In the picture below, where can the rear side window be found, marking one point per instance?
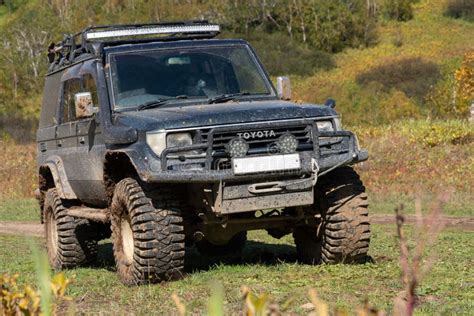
(70, 88)
(50, 101)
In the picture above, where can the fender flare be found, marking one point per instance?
(61, 182)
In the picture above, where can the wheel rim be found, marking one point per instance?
(127, 239)
(52, 231)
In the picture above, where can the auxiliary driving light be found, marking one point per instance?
(237, 147)
(287, 143)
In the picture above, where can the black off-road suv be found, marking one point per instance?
(164, 137)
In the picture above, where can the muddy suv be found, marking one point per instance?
(164, 137)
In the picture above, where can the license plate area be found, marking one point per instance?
(274, 163)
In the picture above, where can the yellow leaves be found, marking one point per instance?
(59, 284)
(27, 300)
(436, 133)
(256, 305)
(465, 79)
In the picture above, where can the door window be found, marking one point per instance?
(70, 88)
(73, 86)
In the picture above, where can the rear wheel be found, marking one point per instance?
(148, 236)
(234, 246)
(343, 234)
(71, 242)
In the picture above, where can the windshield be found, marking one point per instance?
(184, 73)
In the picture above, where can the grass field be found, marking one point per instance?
(269, 265)
(459, 205)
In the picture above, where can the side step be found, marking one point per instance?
(93, 214)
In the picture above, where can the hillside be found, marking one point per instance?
(393, 69)
(409, 73)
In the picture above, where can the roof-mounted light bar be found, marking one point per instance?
(152, 30)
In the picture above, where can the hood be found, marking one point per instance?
(173, 117)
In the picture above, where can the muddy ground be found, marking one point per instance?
(36, 229)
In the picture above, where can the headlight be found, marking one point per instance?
(337, 124)
(325, 126)
(156, 141)
(179, 140)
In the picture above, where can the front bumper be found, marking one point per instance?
(330, 150)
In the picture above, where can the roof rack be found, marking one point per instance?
(92, 39)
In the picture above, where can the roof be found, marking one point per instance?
(92, 40)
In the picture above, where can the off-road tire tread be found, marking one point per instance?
(158, 233)
(345, 229)
(77, 238)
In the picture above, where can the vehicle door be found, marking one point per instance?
(90, 145)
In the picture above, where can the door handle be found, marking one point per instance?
(82, 140)
(59, 143)
(42, 147)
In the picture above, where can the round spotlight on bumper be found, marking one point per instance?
(287, 143)
(237, 147)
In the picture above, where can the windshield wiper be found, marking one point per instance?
(226, 97)
(158, 102)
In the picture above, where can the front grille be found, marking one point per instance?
(260, 141)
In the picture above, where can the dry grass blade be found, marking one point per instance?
(415, 263)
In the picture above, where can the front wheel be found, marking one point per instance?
(148, 237)
(343, 235)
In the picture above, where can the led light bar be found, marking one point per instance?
(153, 30)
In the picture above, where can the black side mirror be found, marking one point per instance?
(331, 103)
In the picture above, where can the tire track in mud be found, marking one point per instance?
(35, 229)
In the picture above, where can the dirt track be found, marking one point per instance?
(36, 229)
(21, 228)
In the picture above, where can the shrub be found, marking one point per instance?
(435, 133)
(413, 76)
(26, 300)
(400, 10)
(453, 94)
(460, 9)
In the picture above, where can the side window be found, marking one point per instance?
(70, 88)
(73, 86)
(90, 86)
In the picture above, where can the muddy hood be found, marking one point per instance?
(172, 117)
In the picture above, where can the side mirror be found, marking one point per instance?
(331, 103)
(284, 88)
(84, 105)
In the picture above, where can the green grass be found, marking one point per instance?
(269, 266)
(19, 210)
(459, 204)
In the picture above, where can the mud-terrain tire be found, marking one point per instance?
(343, 235)
(71, 242)
(147, 236)
(235, 246)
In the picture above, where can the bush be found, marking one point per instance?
(460, 9)
(400, 10)
(454, 93)
(435, 133)
(413, 76)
